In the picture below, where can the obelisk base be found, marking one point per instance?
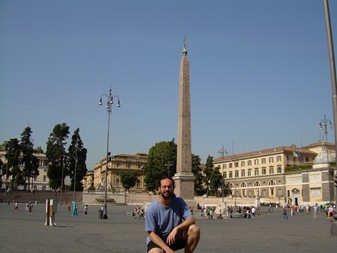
(184, 188)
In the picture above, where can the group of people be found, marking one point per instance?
(328, 209)
(138, 212)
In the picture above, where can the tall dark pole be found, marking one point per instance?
(109, 109)
(325, 122)
(222, 152)
(334, 89)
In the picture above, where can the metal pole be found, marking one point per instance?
(334, 90)
(109, 109)
(105, 211)
(222, 152)
(74, 194)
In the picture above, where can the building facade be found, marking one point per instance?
(287, 175)
(39, 183)
(116, 165)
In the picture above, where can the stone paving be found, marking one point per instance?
(23, 232)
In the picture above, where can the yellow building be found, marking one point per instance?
(117, 164)
(38, 183)
(283, 174)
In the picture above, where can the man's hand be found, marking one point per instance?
(172, 236)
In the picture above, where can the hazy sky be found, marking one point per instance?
(260, 74)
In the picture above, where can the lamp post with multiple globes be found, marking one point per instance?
(108, 107)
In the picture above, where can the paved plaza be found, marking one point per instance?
(23, 232)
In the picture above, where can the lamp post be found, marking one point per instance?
(76, 149)
(222, 152)
(323, 125)
(108, 107)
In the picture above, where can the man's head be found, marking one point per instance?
(166, 187)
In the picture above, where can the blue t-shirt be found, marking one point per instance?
(161, 219)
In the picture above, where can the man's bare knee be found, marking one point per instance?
(193, 230)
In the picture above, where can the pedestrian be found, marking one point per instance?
(30, 207)
(169, 222)
(292, 211)
(16, 206)
(86, 209)
(285, 215)
(315, 212)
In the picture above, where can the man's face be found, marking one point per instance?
(166, 188)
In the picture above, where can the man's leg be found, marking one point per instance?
(193, 237)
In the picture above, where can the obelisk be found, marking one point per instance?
(184, 178)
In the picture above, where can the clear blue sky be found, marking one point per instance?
(260, 74)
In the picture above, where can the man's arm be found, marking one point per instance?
(158, 241)
(182, 226)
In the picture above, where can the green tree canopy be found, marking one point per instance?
(77, 156)
(128, 178)
(29, 161)
(161, 160)
(197, 172)
(12, 148)
(57, 155)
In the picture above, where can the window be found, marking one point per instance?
(243, 164)
(242, 173)
(43, 188)
(236, 173)
(257, 184)
(249, 172)
(224, 175)
(117, 165)
(117, 183)
(278, 158)
(236, 164)
(272, 182)
(138, 183)
(279, 169)
(225, 166)
(230, 165)
(264, 171)
(263, 160)
(44, 178)
(271, 159)
(256, 162)
(271, 170)
(128, 165)
(243, 185)
(231, 174)
(256, 172)
(249, 162)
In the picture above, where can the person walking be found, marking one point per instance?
(315, 212)
(285, 214)
(169, 222)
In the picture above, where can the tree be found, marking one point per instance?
(12, 148)
(161, 160)
(128, 179)
(77, 156)
(212, 177)
(207, 172)
(197, 172)
(215, 179)
(57, 155)
(29, 161)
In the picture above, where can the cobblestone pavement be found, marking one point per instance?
(23, 232)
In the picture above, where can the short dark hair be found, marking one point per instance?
(165, 177)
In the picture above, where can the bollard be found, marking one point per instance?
(51, 209)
